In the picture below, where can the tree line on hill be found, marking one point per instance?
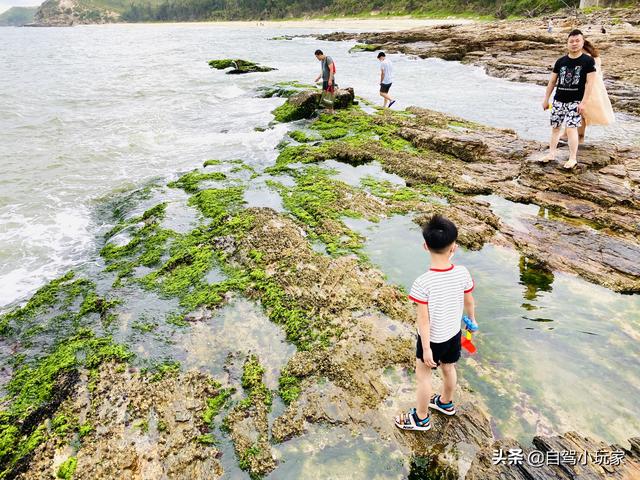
(191, 10)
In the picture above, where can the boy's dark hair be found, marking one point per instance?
(575, 32)
(318, 52)
(381, 54)
(439, 233)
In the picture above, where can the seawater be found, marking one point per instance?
(90, 113)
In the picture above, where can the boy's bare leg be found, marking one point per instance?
(387, 98)
(553, 144)
(424, 389)
(572, 134)
(449, 382)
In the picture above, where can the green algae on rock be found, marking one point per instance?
(284, 89)
(136, 417)
(288, 386)
(302, 137)
(189, 182)
(68, 468)
(238, 66)
(364, 47)
(146, 244)
(319, 201)
(215, 404)
(305, 103)
(250, 416)
(37, 389)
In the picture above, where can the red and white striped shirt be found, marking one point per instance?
(443, 291)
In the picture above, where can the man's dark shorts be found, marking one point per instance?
(325, 86)
(445, 352)
(384, 87)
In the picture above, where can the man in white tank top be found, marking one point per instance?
(386, 79)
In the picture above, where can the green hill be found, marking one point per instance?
(70, 12)
(277, 9)
(17, 16)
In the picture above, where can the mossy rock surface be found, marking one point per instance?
(238, 66)
(304, 104)
(364, 47)
(284, 89)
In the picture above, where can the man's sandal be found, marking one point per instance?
(410, 421)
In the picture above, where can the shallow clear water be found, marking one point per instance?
(90, 111)
(548, 351)
(339, 454)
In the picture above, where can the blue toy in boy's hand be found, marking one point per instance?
(471, 325)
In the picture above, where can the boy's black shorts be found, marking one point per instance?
(384, 87)
(445, 352)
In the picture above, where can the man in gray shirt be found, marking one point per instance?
(386, 78)
(328, 71)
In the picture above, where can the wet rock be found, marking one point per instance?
(248, 422)
(609, 261)
(594, 211)
(141, 429)
(238, 66)
(284, 89)
(304, 104)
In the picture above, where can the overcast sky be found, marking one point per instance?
(7, 4)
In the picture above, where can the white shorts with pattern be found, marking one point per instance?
(565, 113)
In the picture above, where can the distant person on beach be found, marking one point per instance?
(550, 26)
(573, 78)
(442, 295)
(328, 70)
(597, 108)
(386, 79)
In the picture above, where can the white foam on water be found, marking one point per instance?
(62, 238)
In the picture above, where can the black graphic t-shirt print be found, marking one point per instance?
(572, 77)
(568, 77)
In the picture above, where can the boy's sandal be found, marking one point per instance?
(446, 408)
(410, 421)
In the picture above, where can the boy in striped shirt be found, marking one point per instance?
(442, 295)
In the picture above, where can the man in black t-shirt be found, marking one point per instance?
(572, 77)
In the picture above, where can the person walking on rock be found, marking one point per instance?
(328, 76)
(573, 78)
(597, 108)
(386, 78)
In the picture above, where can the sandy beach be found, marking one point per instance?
(370, 24)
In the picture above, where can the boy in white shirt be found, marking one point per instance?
(442, 295)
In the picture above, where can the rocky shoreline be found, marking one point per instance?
(523, 51)
(306, 267)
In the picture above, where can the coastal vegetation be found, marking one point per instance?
(188, 10)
